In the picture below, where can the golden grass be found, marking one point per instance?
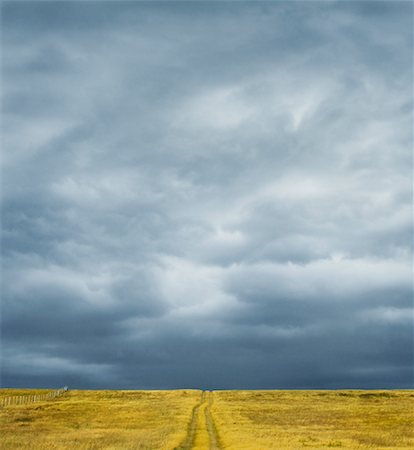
(232, 420)
(314, 419)
(99, 420)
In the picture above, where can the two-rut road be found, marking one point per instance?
(201, 433)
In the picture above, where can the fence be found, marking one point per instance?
(31, 398)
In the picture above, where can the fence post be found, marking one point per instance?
(30, 398)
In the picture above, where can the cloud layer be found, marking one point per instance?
(210, 195)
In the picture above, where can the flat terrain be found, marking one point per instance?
(315, 419)
(190, 419)
(99, 420)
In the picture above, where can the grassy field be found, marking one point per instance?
(192, 419)
(314, 419)
(99, 420)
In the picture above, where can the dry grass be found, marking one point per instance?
(233, 420)
(99, 420)
(314, 419)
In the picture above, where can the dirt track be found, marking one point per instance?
(202, 433)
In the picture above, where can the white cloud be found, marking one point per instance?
(220, 108)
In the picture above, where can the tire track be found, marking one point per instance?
(211, 427)
(201, 432)
(188, 441)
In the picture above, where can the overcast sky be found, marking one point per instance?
(210, 195)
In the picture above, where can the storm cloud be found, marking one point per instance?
(207, 194)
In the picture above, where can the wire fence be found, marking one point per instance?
(31, 398)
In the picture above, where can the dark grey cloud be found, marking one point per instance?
(207, 194)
